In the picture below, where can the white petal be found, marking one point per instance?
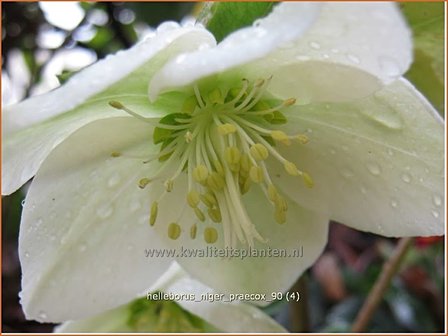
(344, 37)
(286, 22)
(84, 230)
(235, 317)
(377, 164)
(304, 231)
(122, 77)
(105, 78)
(371, 37)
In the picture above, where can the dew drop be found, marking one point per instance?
(114, 180)
(374, 168)
(347, 173)
(437, 200)
(42, 315)
(390, 152)
(167, 26)
(345, 148)
(27, 254)
(315, 45)
(406, 178)
(389, 65)
(363, 190)
(105, 211)
(380, 111)
(394, 203)
(130, 247)
(135, 205)
(435, 214)
(23, 202)
(332, 151)
(82, 248)
(334, 50)
(309, 130)
(38, 222)
(353, 58)
(52, 238)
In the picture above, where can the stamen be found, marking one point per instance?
(210, 235)
(153, 216)
(199, 214)
(215, 215)
(119, 106)
(291, 168)
(115, 154)
(256, 174)
(227, 128)
(193, 198)
(169, 184)
(308, 180)
(200, 173)
(143, 182)
(174, 231)
(302, 138)
(281, 137)
(193, 231)
(259, 152)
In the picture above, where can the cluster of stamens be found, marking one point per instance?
(221, 140)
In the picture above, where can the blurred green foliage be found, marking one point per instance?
(427, 72)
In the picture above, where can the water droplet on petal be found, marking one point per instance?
(23, 202)
(394, 203)
(130, 247)
(334, 50)
(42, 315)
(135, 205)
(390, 152)
(27, 254)
(435, 214)
(363, 190)
(406, 178)
(114, 180)
(389, 65)
(353, 58)
(314, 45)
(380, 111)
(167, 26)
(373, 168)
(347, 173)
(82, 248)
(105, 211)
(437, 200)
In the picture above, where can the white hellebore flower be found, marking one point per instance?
(297, 120)
(189, 313)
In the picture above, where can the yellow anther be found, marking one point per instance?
(210, 235)
(302, 138)
(199, 214)
(280, 216)
(245, 186)
(215, 181)
(281, 137)
(174, 231)
(225, 129)
(115, 154)
(215, 96)
(189, 105)
(169, 184)
(193, 231)
(281, 204)
(245, 163)
(259, 152)
(200, 173)
(308, 180)
(143, 182)
(153, 215)
(116, 104)
(215, 215)
(256, 174)
(289, 102)
(208, 199)
(291, 168)
(188, 137)
(218, 167)
(233, 155)
(193, 198)
(272, 193)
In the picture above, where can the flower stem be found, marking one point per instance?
(382, 283)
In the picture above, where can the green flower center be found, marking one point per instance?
(222, 140)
